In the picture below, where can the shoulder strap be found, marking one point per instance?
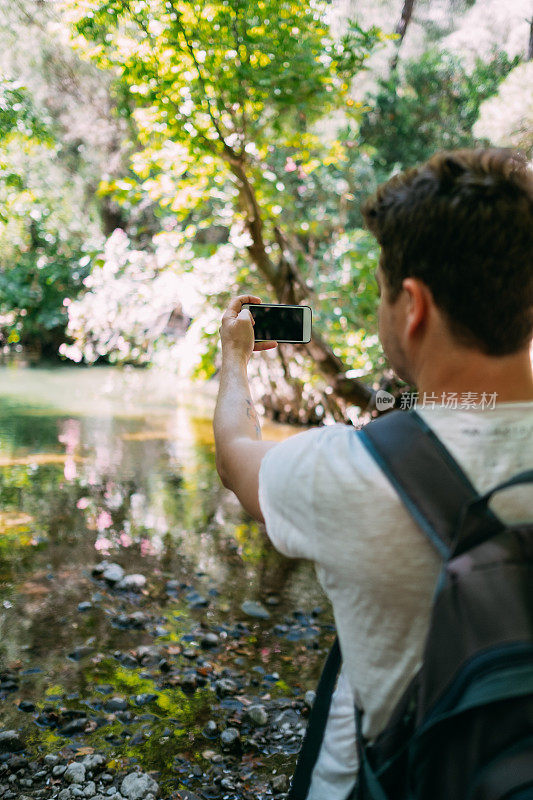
(316, 726)
(430, 482)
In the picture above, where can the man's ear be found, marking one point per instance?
(417, 300)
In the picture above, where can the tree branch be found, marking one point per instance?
(401, 29)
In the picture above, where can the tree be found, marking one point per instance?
(429, 103)
(232, 90)
(506, 119)
(45, 236)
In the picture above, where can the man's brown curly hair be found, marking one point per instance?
(463, 224)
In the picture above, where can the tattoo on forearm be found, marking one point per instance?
(251, 413)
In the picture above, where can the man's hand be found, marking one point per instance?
(237, 330)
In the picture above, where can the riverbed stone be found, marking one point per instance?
(258, 715)
(75, 773)
(280, 783)
(137, 785)
(254, 609)
(113, 573)
(309, 698)
(230, 740)
(93, 761)
(225, 686)
(131, 583)
(116, 704)
(74, 726)
(144, 698)
(10, 742)
(209, 640)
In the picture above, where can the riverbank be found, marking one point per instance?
(147, 626)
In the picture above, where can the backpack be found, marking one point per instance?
(463, 729)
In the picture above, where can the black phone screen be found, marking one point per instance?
(277, 322)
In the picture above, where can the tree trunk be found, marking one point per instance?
(401, 30)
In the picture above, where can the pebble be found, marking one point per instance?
(189, 682)
(116, 704)
(230, 739)
(309, 698)
(132, 583)
(273, 600)
(280, 783)
(10, 742)
(211, 729)
(254, 609)
(113, 573)
(93, 761)
(209, 640)
(75, 773)
(137, 785)
(258, 715)
(143, 699)
(80, 652)
(225, 686)
(75, 726)
(85, 606)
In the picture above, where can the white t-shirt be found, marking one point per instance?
(324, 498)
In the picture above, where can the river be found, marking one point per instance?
(114, 465)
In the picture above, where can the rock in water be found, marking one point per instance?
(10, 742)
(113, 573)
(254, 609)
(309, 698)
(209, 640)
(258, 715)
(132, 583)
(230, 740)
(137, 785)
(116, 704)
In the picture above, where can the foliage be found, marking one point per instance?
(429, 104)
(222, 74)
(507, 118)
(250, 154)
(17, 112)
(227, 96)
(45, 243)
(44, 232)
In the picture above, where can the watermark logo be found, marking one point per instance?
(461, 400)
(384, 400)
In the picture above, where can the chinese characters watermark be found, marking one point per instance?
(460, 400)
(464, 400)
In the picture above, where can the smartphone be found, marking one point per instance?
(280, 323)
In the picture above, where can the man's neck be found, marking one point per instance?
(509, 378)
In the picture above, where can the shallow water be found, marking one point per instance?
(102, 463)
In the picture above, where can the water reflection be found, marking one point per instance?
(102, 463)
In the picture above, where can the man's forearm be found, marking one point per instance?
(235, 416)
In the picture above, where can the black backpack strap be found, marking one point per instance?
(316, 726)
(431, 484)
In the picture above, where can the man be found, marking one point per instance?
(456, 321)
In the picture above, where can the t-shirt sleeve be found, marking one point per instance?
(286, 492)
